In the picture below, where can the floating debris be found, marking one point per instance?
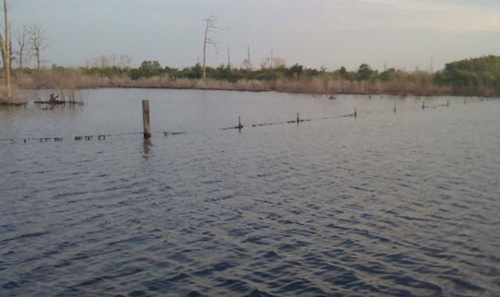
(55, 100)
(173, 133)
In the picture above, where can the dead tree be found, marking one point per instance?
(37, 41)
(210, 28)
(247, 63)
(6, 52)
(21, 37)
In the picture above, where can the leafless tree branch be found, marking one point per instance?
(210, 28)
(37, 40)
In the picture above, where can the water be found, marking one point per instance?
(384, 204)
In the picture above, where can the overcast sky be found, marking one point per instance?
(403, 34)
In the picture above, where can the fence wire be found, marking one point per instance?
(298, 120)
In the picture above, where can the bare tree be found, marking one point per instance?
(247, 63)
(125, 61)
(279, 62)
(37, 42)
(6, 52)
(21, 38)
(103, 61)
(210, 28)
(112, 58)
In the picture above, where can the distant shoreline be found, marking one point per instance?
(332, 87)
(471, 77)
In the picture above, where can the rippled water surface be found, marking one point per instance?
(401, 203)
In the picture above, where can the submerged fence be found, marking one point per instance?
(147, 131)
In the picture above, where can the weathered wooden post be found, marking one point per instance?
(355, 112)
(298, 118)
(145, 119)
(240, 126)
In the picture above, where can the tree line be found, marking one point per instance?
(471, 76)
(476, 76)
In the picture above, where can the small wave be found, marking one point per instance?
(25, 236)
(7, 284)
(217, 267)
(234, 285)
(259, 293)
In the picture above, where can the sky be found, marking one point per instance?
(401, 34)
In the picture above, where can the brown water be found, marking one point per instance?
(384, 204)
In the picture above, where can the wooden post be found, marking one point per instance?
(355, 112)
(240, 126)
(298, 118)
(394, 107)
(145, 119)
(423, 104)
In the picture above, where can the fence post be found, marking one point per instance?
(240, 126)
(145, 119)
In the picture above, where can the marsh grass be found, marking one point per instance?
(67, 81)
(18, 97)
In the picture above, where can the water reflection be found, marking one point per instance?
(147, 146)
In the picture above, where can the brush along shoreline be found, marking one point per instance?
(478, 77)
(64, 84)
